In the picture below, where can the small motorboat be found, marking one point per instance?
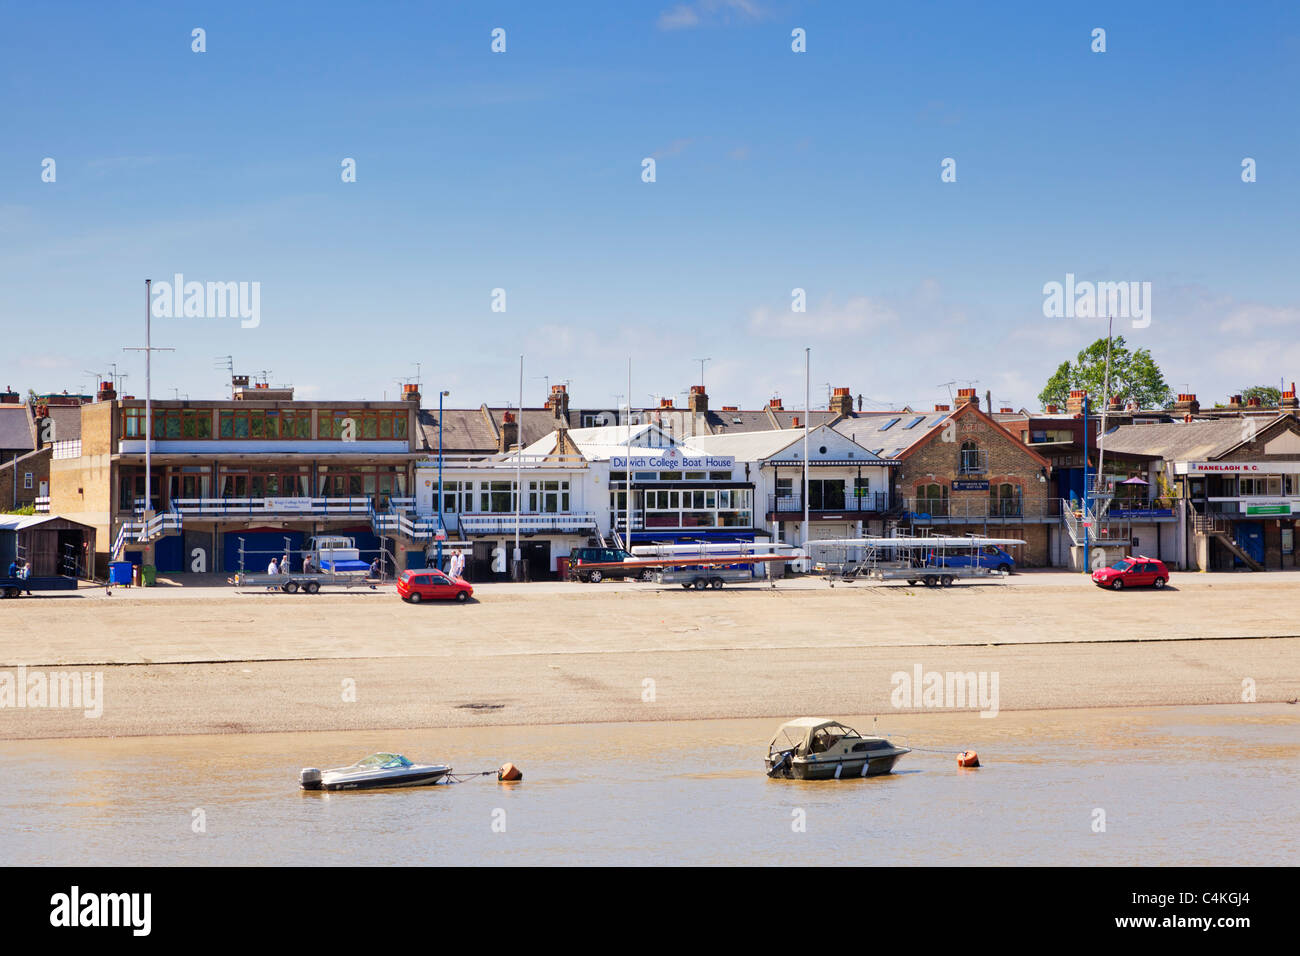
(378, 771)
(817, 748)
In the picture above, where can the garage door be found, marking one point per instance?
(260, 546)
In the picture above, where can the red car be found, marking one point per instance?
(1131, 573)
(432, 585)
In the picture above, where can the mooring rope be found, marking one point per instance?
(462, 777)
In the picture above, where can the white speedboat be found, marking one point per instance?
(816, 748)
(378, 771)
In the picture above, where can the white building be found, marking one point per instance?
(577, 485)
(849, 491)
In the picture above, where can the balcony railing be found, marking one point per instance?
(981, 509)
(42, 504)
(217, 507)
(872, 501)
(570, 522)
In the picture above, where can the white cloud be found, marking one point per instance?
(827, 318)
(686, 16)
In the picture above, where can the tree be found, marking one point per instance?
(1134, 376)
(1267, 394)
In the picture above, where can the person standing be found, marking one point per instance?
(273, 571)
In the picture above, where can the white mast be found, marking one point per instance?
(807, 364)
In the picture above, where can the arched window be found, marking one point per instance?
(973, 461)
(932, 499)
(1004, 500)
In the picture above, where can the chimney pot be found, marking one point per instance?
(942, 408)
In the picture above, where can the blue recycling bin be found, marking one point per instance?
(119, 572)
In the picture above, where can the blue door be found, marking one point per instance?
(169, 554)
(1250, 538)
(259, 548)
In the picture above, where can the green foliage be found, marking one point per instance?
(25, 510)
(1267, 394)
(1134, 376)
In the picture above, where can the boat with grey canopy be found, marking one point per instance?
(818, 748)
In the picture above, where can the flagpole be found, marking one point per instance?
(807, 365)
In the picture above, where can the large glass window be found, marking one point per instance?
(497, 497)
(548, 496)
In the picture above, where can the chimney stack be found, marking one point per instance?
(1114, 405)
(1049, 410)
(967, 396)
(1255, 402)
(665, 403)
(1074, 404)
(698, 401)
(942, 408)
(9, 397)
(106, 392)
(558, 403)
(411, 393)
(509, 433)
(1289, 402)
(1234, 402)
(775, 405)
(1187, 405)
(796, 422)
(841, 402)
(1007, 410)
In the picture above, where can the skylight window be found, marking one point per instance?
(890, 424)
(914, 422)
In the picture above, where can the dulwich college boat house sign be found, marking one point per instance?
(673, 459)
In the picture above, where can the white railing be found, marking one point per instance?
(271, 505)
(142, 532)
(573, 521)
(42, 504)
(417, 528)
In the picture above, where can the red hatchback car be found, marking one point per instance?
(432, 585)
(1131, 573)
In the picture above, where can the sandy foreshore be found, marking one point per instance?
(220, 661)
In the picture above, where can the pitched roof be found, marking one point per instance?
(763, 446)
(889, 434)
(67, 422)
(463, 430)
(16, 432)
(1180, 441)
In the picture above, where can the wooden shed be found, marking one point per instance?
(52, 545)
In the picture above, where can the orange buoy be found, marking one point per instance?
(968, 758)
(509, 773)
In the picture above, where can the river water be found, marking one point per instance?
(1185, 785)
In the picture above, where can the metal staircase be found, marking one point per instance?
(143, 532)
(1216, 528)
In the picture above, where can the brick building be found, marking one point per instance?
(961, 472)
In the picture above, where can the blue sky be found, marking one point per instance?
(522, 171)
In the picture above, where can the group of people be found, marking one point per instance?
(20, 570)
(456, 565)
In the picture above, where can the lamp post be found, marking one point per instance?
(1087, 546)
(442, 531)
